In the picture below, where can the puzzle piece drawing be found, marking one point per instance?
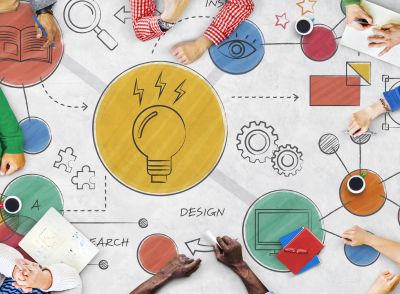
(67, 157)
(84, 178)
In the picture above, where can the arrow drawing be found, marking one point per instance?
(122, 14)
(294, 97)
(83, 106)
(195, 246)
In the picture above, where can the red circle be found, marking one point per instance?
(15, 28)
(155, 251)
(321, 44)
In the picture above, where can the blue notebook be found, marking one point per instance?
(289, 237)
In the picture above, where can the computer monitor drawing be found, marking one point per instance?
(272, 224)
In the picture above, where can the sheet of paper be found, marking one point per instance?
(54, 240)
(357, 40)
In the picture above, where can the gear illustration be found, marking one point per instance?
(257, 141)
(287, 160)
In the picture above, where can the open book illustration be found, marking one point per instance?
(22, 45)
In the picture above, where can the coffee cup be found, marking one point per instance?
(356, 184)
(12, 204)
(304, 26)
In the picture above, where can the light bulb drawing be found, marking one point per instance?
(159, 133)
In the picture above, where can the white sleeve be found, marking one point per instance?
(64, 278)
(8, 256)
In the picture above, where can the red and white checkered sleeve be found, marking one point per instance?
(228, 19)
(145, 24)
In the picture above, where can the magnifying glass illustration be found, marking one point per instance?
(83, 16)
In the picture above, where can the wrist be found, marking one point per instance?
(240, 267)
(377, 109)
(369, 239)
(168, 18)
(204, 43)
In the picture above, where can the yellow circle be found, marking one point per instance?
(159, 128)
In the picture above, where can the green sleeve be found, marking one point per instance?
(348, 2)
(11, 136)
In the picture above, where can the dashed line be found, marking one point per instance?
(183, 19)
(84, 106)
(94, 210)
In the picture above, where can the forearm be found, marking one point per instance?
(63, 277)
(8, 256)
(250, 280)
(228, 19)
(11, 136)
(152, 285)
(389, 248)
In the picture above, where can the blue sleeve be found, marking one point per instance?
(393, 98)
(40, 4)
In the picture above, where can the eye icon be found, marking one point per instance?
(237, 49)
(241, 52)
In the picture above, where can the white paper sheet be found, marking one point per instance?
(54, 240)
(357, 40)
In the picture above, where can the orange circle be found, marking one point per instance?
(155, 251)
(370, 200)
(19, 53)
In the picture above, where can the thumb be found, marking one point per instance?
(3, 168)
(12, 169)
(38, 32)
(368, 18)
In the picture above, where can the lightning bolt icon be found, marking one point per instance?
(138, 92)
(161, 85)
(179, 91)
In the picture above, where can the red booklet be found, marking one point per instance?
(300, 251)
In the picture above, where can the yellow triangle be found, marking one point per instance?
(363, 69)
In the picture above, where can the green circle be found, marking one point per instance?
(343, 7)
(273, 216)
(37, 194)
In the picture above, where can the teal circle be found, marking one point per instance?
(343, 7)
(37, 194)
(273, 216)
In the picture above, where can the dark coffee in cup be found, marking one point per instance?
(303, 26)
(12, 204)
(356, 184)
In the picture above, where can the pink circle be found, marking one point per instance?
(321, 44)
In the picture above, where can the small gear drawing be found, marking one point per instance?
(257, 141)
(287, 160)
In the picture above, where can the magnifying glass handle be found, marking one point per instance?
(107, 39)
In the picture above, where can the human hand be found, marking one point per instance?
(189, 51)
(29, 276)
(180, 266)
(229, 252)
(361, 120)
(385, 283)
(173, 9)
(10, 163)
(356, 236)
(49, 24)
(387, 36)
(354, 13)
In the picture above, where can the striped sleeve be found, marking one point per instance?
(145, 24)
(228, 19)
